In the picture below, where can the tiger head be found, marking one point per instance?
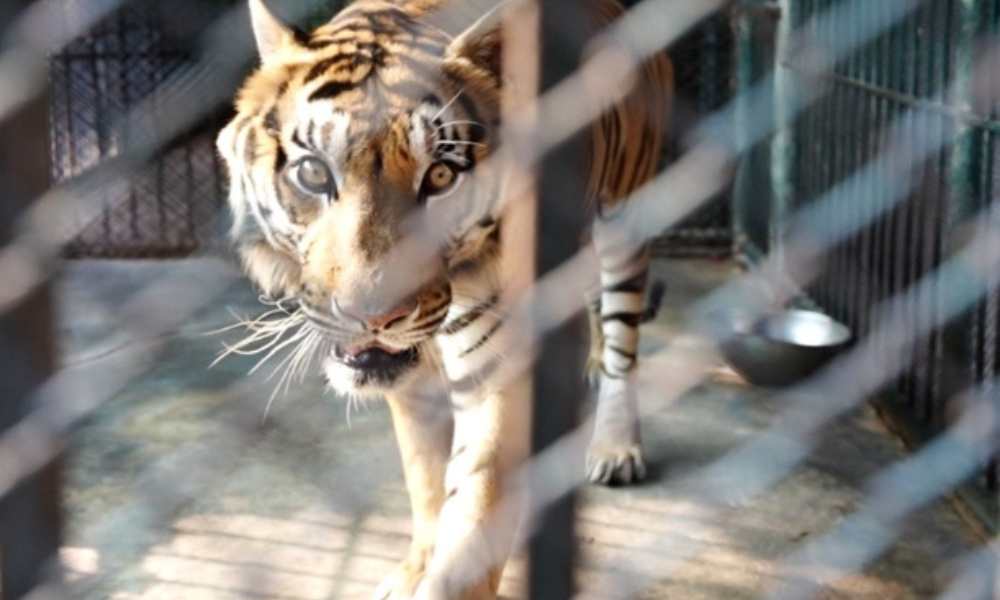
(345, 142)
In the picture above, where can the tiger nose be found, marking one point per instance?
(388, 319)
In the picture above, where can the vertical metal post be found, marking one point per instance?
(965, 196)
(558, 386)
(752, 187)
(968, 195)
(743, 50)
(783, 148)
(29, 514)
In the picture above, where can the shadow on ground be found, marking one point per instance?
(178, 489)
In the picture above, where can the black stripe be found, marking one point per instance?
(300, 36)
(470, 108)
(377, 164)
(320, 43)
(619, 172)
(322, 67)
(619, 164)
(311, 133)
(282, 89)
(345, 33)
(628, 318)
(298, 141)
(434, 313)
(470, 317)
(332, 89)
(482, 341)
(614, 129)
(640, 167)
(621, 352)
(634, 284)
(280, 160)
(615, 375)
(271, 124)
(250, 150)
(474, 380)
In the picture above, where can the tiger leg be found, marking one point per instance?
(615, 454)
(423, 429)
(479, 516)
(491, 408)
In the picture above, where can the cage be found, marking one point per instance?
(911, 86)
(821, 104)
(171, 209)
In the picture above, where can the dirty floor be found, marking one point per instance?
(178, 488)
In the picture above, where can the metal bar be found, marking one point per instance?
(30, 514)
(968, 116)
(557, 384)
(783, 144)
(963, 167)
(752, 187)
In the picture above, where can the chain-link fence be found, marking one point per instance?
(859, 143)
(170, 208)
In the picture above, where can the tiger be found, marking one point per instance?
(342, 139)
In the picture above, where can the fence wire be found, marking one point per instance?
(812, 226)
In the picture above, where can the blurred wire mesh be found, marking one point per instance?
(905, 282)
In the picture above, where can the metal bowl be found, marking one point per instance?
(779, 349)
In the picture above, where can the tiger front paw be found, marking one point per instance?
(609, 463)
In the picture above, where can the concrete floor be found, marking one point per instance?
(178, 490)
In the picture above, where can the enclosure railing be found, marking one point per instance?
(915, 85)
(808, 226)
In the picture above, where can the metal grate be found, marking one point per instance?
(170, 207)
(704, 81)
(895, 89)
(812, 181)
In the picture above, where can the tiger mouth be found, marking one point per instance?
(375, 363)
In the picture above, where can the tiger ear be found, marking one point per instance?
(270, 32)
(481, 44)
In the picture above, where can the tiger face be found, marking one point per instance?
(346, 143)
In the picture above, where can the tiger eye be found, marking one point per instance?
(315, 177)
(440, 177)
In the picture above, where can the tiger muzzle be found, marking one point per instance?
(376, 363)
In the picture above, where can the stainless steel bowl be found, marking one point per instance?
(779, 349)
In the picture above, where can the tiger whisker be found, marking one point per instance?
(459, 122)
(266, 337)
(458, 143)
(242, 321)
(303, 359)
(295, 365)
(452, 156)
(288, 365)
(447, 105)
(297, 336)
